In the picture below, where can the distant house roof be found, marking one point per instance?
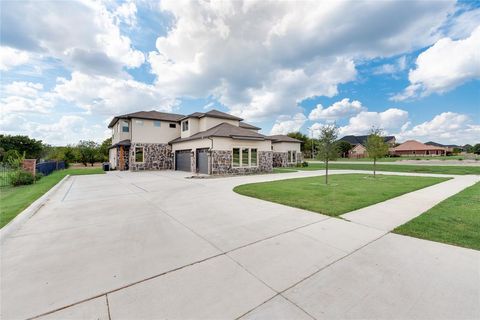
(354, 140)
(282, 138)
(125, 143)
(224, 130)
(214, 114)
(149, 115)
(436, 144)
(248, 126)
(415, 145)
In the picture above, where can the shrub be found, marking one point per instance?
(21, 178)
(38, 176)
(304, 164)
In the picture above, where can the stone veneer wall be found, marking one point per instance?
(222, 163)
(126, 156)
(155, 157)
(280, 159)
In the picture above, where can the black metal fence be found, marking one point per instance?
(48, 167)
(5, 172)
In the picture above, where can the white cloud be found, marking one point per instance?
(392, 68)
(25, 97)
(127, 13)
(390, 120)
(444, 66)
(10, 58)
(107, 96)
(340, 109)
(258, 60)
(287, 124)
(85, 35)
(447, 127)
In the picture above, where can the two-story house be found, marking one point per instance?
(210, 142)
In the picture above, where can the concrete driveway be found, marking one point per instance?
(155, 245)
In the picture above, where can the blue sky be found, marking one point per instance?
(411, 68)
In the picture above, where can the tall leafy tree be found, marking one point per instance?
(476, 148)
(31, 148)
(103, 150)
(327, 146)
(87, 152)
(344, 147)
(376, 146)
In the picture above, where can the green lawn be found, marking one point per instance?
(455, 220)
(394, 159)
(15, 199)
(397, 168)
(345, 192)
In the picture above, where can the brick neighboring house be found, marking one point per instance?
(358, 143)
(210, 142)
(416, 148)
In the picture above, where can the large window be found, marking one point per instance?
(292, 156)
(139, 122)
(185, 125)
(138, 154)
(253, 157)
(245, 157)
(236, 157)
(173, 125)
(156, 123)
(125, 126)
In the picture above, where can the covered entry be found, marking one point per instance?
(202, 161)
(183, 160)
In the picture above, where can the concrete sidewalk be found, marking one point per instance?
(152, 245)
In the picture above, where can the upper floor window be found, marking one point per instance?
(173, 125)
(185, 125)
(156, 123)
(125, 126)
(139, 122)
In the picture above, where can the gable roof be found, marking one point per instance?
(214, 114)
(354, 140)
(282, 138)
(148, 115)
(415, 145)
(224, 130)
(248, 126)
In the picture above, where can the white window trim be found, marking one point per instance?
(241, 165)
(139, 122)
(135, 155)
(125, 124)
(185, 123)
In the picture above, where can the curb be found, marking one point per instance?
(26, 214)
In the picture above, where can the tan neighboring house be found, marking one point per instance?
(286, 150)
(358, 143)
(415, 148)
(210, 142)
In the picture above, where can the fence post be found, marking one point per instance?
(30, 165)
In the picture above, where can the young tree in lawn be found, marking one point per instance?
(327, 146)
(376, 146)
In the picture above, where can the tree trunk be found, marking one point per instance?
(326, 172)
(374, 167)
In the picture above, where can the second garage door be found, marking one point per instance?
(183, 160)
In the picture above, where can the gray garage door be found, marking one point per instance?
(182, 160)
(202, 161)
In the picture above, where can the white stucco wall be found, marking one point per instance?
(112, 157)
(193, 125)
(148, 133)
(194, 144)
(206, 123)
(117, 134)
(229, 144)
(286, 146)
